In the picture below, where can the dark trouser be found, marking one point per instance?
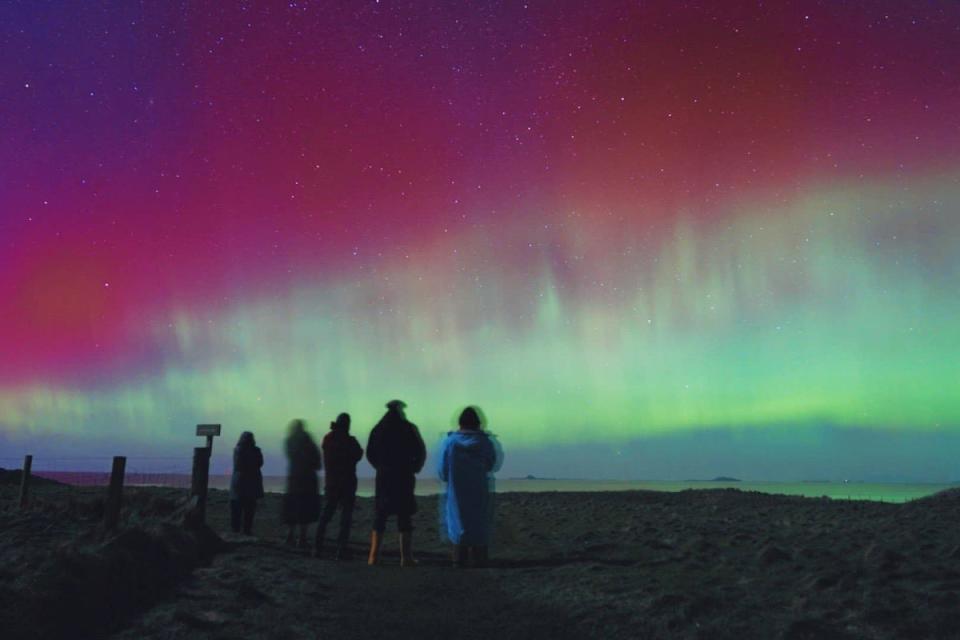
(404, 523)
(242, 509)
(346, 502)
(470, 555)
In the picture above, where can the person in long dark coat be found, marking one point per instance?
(301, 501)
(396, 451)
(341, 453)
(246, 483)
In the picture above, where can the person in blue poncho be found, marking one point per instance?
(468, 458)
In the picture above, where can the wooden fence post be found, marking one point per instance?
(111, 513)
(200, 479)
(25, 481)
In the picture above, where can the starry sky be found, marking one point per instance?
(647, 238)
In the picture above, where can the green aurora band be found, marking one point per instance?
(839, 307)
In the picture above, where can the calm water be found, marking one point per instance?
(891, 492)
(887, 492)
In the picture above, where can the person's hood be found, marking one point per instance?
(468, 439)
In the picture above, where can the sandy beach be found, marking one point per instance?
(633, 564)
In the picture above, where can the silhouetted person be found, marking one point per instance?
(301, 502)
(467, 459)
(246, 483)
(341, 452)
(396, 451)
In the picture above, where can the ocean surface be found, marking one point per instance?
(886, 492)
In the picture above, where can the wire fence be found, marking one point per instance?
(176, 471)
(94, 471)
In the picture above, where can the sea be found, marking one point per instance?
(845, 490)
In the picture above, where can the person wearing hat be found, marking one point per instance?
(341, 452)
(396, 450)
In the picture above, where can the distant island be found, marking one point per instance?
(717, 479)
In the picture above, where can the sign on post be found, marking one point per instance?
(201, 467)
(209, 430)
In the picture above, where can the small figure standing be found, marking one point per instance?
(301, 502)
(341, 452)
(467, 459)
(246, 483)
(396, 451)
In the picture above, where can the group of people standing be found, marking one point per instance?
(396, 451)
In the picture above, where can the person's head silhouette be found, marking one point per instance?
(396, 406)
(470, 420)
(342, 423)
(297, 427)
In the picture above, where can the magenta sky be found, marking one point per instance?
(172, 167)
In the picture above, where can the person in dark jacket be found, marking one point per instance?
(246, 483)
(301, 502)
(396, 451)
(341, 453)
(468, 458)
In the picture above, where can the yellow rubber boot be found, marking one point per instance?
(374, 557)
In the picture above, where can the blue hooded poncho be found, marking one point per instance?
(467, 460)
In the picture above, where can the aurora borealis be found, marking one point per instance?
(615, 226)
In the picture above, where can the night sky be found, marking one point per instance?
(649, 239)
